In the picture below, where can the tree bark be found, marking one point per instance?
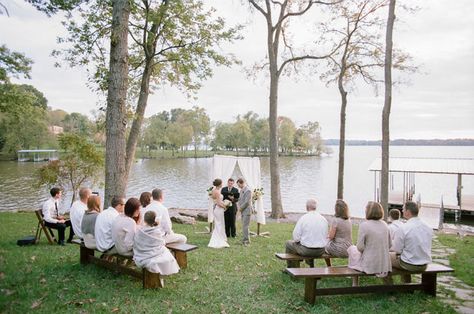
(342, 141)
(386, 109)
(115, 182)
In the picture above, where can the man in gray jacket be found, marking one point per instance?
(245, 206)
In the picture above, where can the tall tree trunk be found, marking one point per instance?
(115, 181)
(386, 109)
(342, 141)
(138, 117)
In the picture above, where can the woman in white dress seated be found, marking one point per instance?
(149, 250)
(218, 237)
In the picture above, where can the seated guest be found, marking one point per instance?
(149, 250)
(53, 219)
(310, 233)
(124, 226)
(373, 243)
(145, 200)
(340, 231)
(163, 216)
(411, 249)
(78, 209)
(395, 224)
(103, 225)
(88, 221)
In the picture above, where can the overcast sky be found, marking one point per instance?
(439, 102)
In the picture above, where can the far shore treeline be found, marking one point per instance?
(182, 132)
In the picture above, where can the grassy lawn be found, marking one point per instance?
(48, 279)
(463, 259)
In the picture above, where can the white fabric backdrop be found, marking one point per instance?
(223, 167)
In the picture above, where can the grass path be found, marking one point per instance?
(49, 279)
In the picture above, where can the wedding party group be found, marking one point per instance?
(135, 227)
(379, 246)
(227, 202)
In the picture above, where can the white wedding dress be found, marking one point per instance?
(218, 237)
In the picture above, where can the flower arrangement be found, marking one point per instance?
(227, 203)
(257, 193)
(209, 190)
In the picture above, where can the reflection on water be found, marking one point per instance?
(185, 180)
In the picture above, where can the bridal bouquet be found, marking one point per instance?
(257, 193)
(209, 190)
(227, 204)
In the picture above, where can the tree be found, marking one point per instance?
(277, 14)
(56, 117)
(386, 108)
(78, 124)
(240, 134)
(81, 162)
(172, 42)
(222, 136)
(179, 134)
(155, 133)
(201, 124)
(286, 134)
(13, 64)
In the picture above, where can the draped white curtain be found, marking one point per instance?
(250, 168)
(223, 167)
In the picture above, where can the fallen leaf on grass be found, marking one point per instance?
(33, 258)
(8, 292)
(2, 275)
(43, 281)
(115, 310)
(195, 278)
(259, 264)
(36, 304)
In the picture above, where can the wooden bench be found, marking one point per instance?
(180, 251)
(295, 260)
(87, 256)
(42, 227)
(313, 275)
(149, 279)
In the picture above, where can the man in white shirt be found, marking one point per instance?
(78, 209)
(310, 233)
(53, 219)
(395, 224)
(163, 218)
(411, 249)
(103, 225)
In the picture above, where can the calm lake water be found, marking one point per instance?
(185, 180)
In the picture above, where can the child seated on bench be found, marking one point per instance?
(149, 250)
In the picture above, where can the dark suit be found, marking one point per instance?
(231, 212)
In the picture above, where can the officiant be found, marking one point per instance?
(232, 194)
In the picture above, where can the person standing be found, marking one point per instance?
(78, 209)
(163, 217)
(310, 233)
(245, 206)
(218, 237)
(103, 225)
(411, 249)
(53, 219)
(232, 194)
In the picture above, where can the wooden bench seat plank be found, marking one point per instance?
(181, 247)
(295, 259)
(344, 271)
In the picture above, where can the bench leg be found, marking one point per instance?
(151, 280)
(293, 264)
(84, 255)
(310, 262)
(310, 289)
(355, 281)
(328, 262)
(182, 259)
(429, 283)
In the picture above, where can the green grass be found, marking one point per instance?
(463, 259)
(237, 279)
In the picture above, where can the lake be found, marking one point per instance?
(185, 180)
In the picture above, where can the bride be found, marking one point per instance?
(218, 237)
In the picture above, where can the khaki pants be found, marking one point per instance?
(397, 262)
(175, 238)
(296, 248)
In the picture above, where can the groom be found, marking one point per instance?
(232, 194)
(245, 206)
